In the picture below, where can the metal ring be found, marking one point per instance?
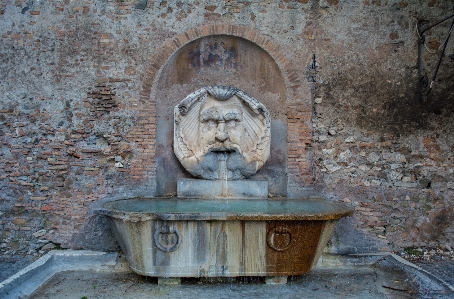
(283, 232)
(167, 238)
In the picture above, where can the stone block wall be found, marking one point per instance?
(78, 117)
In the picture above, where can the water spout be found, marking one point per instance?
(223, 172)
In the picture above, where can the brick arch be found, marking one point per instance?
(169, 47)
(144, 133)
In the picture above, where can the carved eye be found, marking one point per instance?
(231, 123)
(211, 123)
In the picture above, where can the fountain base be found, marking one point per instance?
(223, 237)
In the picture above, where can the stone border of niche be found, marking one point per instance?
(299, 104)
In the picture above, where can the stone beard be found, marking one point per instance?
(221, 133)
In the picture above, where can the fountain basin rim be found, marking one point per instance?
(165, 208)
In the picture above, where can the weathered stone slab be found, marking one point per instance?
(143, 209)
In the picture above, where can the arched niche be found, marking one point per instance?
(220, 60)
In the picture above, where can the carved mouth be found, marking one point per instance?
(224, 150)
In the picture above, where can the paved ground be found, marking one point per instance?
(386, 279)
(12, 264)
(441, 268)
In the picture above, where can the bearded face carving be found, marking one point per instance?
(221, 133)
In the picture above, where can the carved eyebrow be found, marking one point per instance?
(209, 114)
(232, 115)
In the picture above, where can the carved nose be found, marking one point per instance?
(221, 134)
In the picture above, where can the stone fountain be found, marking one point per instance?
(222, 224)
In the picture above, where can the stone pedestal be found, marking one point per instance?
(169, 281)
(194, 188)
(276, 280)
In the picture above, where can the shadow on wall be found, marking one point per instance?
(346, 233)
(97, 235)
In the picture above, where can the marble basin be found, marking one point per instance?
(174, 237)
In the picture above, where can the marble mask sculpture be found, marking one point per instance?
(221, 133)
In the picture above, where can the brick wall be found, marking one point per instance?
(78, 114)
